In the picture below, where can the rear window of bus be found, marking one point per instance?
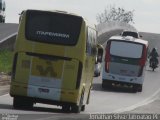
(52, 27)
(126, 49)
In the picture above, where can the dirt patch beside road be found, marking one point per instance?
(5, 80)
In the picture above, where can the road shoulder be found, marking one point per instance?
(4, 89)
(151, 108)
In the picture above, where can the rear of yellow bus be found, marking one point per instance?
(49, 61)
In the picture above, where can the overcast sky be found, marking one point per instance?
(146, 15)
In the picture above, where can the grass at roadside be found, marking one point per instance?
(6, 61)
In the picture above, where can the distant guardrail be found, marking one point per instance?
(8, 42)
(8, 32)
(111, 26)
(106, 30)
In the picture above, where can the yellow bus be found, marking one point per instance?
(54, 60)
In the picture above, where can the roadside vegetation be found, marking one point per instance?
(6, 61)
(117, 14)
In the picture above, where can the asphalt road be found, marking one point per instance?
(117, 100)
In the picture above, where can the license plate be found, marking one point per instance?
(43, 90)
(123, 71)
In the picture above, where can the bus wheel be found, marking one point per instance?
(134, 88)
(76, 108)
(66, 108)
(152, 69)
(19, 103)
(83, 108)
(106, 85)
(139, 88)
(3, 20)
(80, 107)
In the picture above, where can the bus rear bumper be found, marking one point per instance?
(122, 78)
(45, 95)
(113, 82)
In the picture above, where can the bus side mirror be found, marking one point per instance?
(94, 51)
(4, 9)
(99, 58)
(100, 55)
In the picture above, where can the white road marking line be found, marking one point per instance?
(142, 103)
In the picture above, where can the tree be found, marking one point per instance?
(111, 13)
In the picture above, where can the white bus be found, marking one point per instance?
(125, 62)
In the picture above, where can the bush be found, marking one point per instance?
(6, 58)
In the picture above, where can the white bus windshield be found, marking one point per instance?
(126, 49)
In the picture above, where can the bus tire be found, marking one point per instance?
(135, 88)
(66, 108)
(103, 84)
(3, 20)
(19, 103)
(139, 88)
(16, 103)
(83, 108)
(106, 85)
(80, 107)
(76, 108)
(152, 69)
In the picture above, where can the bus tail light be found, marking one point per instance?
(107, 58)
(107, 67)
(142, 61)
